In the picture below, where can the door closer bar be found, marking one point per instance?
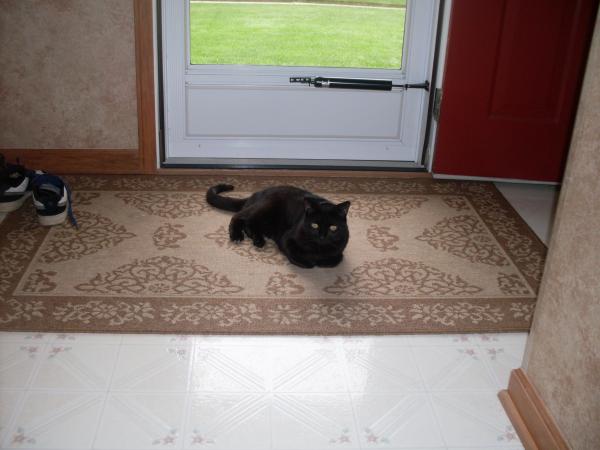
(358, 83)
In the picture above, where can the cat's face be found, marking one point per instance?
(325, 223)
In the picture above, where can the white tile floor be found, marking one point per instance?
(82, 391)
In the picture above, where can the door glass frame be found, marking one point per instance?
(274, 71)
(280, 74)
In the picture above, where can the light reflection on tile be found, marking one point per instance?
(426, 392)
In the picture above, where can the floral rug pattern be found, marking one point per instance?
(151, 256)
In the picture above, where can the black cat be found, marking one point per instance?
(308, 229)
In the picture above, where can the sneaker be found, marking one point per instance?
(15, 185)
(52, 199)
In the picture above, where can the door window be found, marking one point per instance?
(319, 33)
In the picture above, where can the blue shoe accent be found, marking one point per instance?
(51, 198)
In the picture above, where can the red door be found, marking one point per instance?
(511, 82)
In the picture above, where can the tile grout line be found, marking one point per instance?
(488, 366)
(341, 351)
(428, 397)
(106, 395)
(24, 395)
(187, 404)
(489, 369)
(269, 387)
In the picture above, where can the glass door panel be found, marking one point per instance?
(327, 33)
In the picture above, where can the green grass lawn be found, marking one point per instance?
(394, 3)
(297, 34)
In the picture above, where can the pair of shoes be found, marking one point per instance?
(51, 195)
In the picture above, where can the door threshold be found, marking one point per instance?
(292, 164)
(296, 173)
(297, 168)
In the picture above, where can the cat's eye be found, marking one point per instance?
(332, 227)
(314, 225)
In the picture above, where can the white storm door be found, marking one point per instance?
(245, 110)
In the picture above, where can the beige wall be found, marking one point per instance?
(67, 74)
(563, 351)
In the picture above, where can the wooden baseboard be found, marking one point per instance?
(529, 415)
(76, 160)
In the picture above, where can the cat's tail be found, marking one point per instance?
(227, 203)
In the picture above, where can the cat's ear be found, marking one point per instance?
(310, 203)
(343, 208)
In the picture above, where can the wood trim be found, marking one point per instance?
(297, 173)
(144, 63)
(516, 420)
(116, 161)
(529, 415)
(77, 160)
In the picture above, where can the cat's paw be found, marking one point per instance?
(259, 242)
(330, 262)
(303, 264)
(236, 235)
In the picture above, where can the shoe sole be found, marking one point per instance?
(6, 207)
(49, 221)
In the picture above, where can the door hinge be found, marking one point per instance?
(437, 103)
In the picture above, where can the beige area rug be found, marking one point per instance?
(151, 256)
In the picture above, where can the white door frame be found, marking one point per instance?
(185, 148)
